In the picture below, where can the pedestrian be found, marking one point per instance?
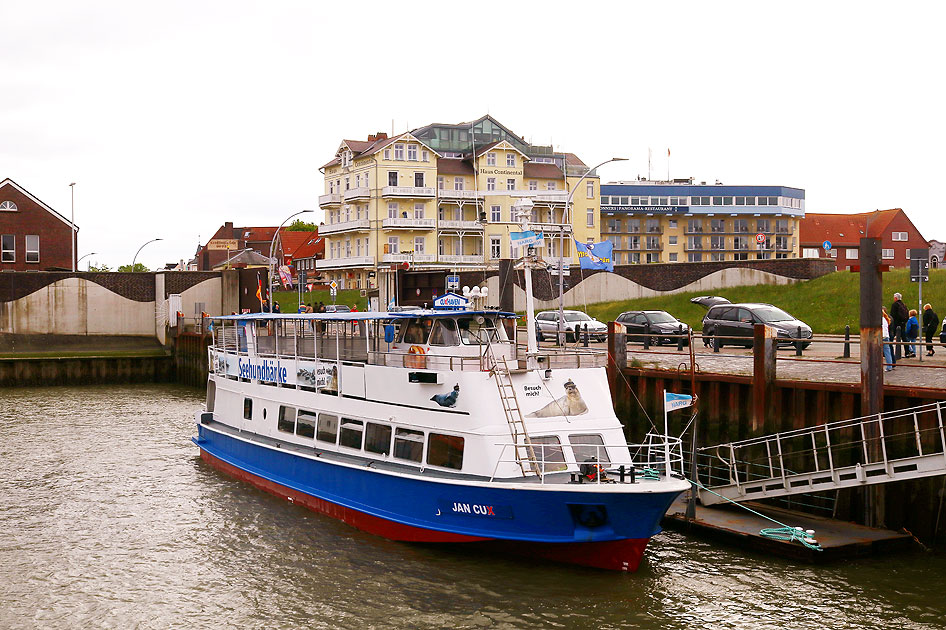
(913, 331)
(309, 309)
(889, 360)
(930, 324)
(898, 320)
(276, 308)
(321, 308)
(354, 308)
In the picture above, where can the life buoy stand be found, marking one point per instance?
(415, 358)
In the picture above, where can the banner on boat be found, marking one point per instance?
(317, 374)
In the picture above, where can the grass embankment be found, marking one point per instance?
(826, 304)
(289, 300)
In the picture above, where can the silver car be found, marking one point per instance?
(546, 326)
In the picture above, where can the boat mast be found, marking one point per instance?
(524, 209)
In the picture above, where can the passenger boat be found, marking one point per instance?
(435, 426)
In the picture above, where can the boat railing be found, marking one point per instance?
(659, 456)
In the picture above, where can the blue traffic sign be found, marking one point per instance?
(827, 246)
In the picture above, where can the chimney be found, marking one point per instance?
(381, 135)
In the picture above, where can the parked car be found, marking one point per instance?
(660, 324)
(546, 325)
(737, 320)
(337, 308)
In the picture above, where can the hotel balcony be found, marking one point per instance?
(362, 192)
(466, 259)
(460, 225)
(549, 196)
(694, 247)
(345, 226)
(459, 194)
(333, 199)
(408, 258)
(345, 263)
(415, 192)
(408, 223)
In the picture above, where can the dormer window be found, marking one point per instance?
(398, 151)
(412, 152)
(7, 206)
(510, 159)
(490, 159)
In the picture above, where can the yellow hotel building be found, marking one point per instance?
(440, 197)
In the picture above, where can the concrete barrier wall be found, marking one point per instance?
(608, 287)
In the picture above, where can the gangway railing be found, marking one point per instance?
(891, 446)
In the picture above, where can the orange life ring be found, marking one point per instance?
(415, 358)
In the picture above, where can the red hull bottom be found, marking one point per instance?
(615, 555)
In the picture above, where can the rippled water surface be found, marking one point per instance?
(108, 518)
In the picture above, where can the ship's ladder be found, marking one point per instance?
(891, 446)
(524, 451)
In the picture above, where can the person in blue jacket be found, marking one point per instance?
(911, 333)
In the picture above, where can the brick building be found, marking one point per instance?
(228, 241)
(844, 231)
(33, 236)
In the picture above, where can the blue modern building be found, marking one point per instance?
(680, 221)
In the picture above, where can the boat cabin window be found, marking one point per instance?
(416, 331)
(351, 433)
(445, 451)
(588, 448)
(287, 419)
(479, 329)
(247, 408)
(549, 452)
(305, 423)
(328, 428)
(409, 445)
(445, 333)
(378, 438)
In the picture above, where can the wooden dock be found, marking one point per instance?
(736, 526)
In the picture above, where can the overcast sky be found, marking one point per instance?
(174, 117)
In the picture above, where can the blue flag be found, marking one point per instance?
(596, 255)
(676, 401)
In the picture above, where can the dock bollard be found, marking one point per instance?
(646, 336)
(798, 344)
(585, 335)
(847, 342)
(679, 338)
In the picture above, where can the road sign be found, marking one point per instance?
(760, 238)
(919, 270)
(334, 285)
(453, 282)
(827, 246)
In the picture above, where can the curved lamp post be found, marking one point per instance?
(85, 256)
(561, 249)
(139, 251)
(272, 246)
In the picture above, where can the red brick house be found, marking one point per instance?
(844, 231)
(229, 241)
(33, 236)
(305, 255)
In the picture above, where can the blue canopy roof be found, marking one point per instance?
(362, 316)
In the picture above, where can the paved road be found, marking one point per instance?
(822, 361)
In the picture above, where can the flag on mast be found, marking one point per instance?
(676, 401)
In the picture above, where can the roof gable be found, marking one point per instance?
(500, 144)
(34, 199)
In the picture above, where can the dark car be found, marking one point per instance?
(661, 325)
(737, 320)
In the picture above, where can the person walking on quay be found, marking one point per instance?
(890, 361)
(913, 331)
(930, 324)
(898, 320)
(276, 308)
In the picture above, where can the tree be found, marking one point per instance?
(103, 268)
(301, 226)
(138, 267)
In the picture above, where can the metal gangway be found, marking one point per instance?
(891, 446)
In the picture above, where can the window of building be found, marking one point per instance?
(590, 190)
(418, 211)
(834, 253)
(247, 408)
(672, 240)
(510, 159)
(490, 183)
(694, 256)
(673, 257)
(412, 152)
(551, 185)
(32, 248)
(717, 225)
(533, 185)
(495, 214)
(510, 184)
(458, 183)
(446, 451)
(740, 242)
(7, 206)
(490, 159)
(740, 225)
(633, 225)
(378, 438)
(717, 201)
(7, 248)
(717, 242)
(851, 253)
(653, 242)
(287, 419)
(694, 225)
(740, 256)
(409, 445)
(440, 182)
(495, 247)
(887, 254)
(653, 226)
(419, 244)
(781, 243)
(899, 236)
(811, 252)
(419, 180)
(781, 226)
(633, 242)
(695, 242)
(392, 178)
(393, 242)
(762, 225)
(672, 224)
(387, 154)
(327, 428)
(590, 218)
(398, 151)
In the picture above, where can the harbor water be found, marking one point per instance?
(109, 519)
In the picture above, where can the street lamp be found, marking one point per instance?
(272, 246)
(72, 225)
(85, 256)
(139, 251)
(561, 249)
